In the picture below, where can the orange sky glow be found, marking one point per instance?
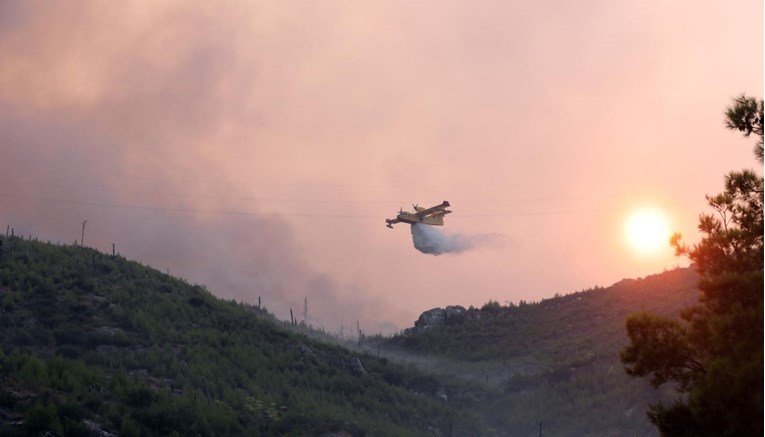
(257, 146)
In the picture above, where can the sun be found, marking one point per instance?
(647, 231)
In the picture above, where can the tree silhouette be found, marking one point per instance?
(714, 353)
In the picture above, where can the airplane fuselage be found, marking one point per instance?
(433, 216)
(407, 217)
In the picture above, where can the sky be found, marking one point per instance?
(257, 147)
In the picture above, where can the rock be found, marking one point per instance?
(454, 312)
(95, 388)
(430, 318)
(441, 393)
(432, 430)
(306, 354)
(11, 417)
(96, 429)
(106, 349)
(356, 368)
(439, 317)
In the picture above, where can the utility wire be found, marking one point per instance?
(328, 201)
(305, 215)
(53, 170)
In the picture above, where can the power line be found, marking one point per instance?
(113, 176)
(331, 201)
(170, 209)
(303, 215)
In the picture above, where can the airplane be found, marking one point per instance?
(429, 216)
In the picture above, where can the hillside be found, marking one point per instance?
(556, 361)
(96, 345)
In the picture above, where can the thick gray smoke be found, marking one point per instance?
(124, 142)
(433, 241)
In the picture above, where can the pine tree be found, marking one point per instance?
(714, 353)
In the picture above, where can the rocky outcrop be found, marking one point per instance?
(454, 312)
(307, 356)
(356, 367)
(439, 317)
(431, 318)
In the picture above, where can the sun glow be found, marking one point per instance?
(647, 231)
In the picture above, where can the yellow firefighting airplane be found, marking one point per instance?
(428, 216)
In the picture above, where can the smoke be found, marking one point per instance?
(433, 241)
(141, 141)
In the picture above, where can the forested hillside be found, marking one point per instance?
(556, 361)
(99, 345)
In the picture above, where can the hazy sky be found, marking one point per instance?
(257, 146)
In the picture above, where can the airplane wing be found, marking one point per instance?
(432, 210)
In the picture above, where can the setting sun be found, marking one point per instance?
(647, 231)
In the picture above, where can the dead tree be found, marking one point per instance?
(82, 238)
(305, 311)
(360, 332)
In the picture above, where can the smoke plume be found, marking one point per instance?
(433, 241)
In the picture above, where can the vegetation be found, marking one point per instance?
(91, 344)
(714, 353)
(745, 116)
(555, 361)
(95, 344)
